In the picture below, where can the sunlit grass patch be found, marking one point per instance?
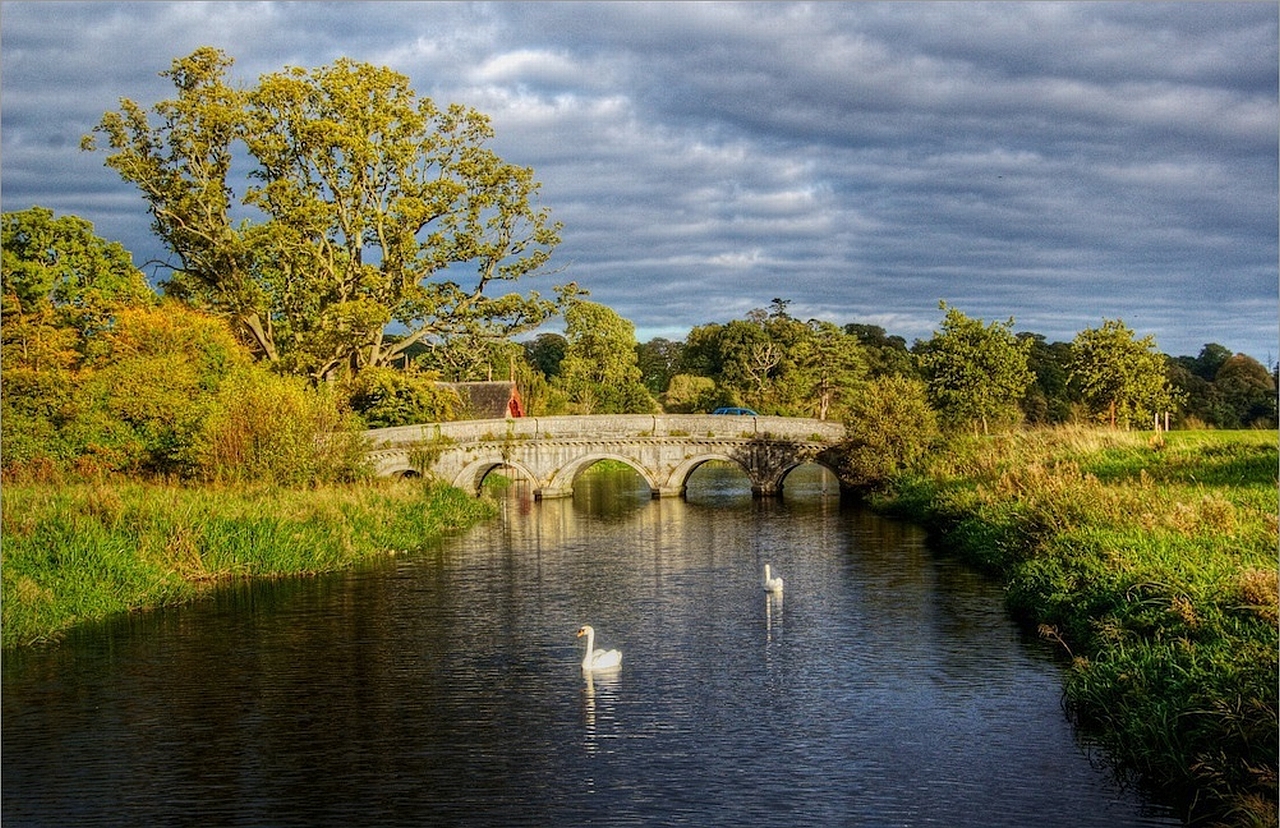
(84, 552)
(1153, 565)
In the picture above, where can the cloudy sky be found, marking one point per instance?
(1059, 163)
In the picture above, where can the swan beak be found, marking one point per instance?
(580, 634)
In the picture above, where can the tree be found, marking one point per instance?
(1248, 389)
(363, 207)
(689, 394)
(886, 355)
(1120, 378)
(831, 365)
(1211, 358)
(599, 372)
(750, 359)
(64, 290)
(546, 352)
(888, 427)
(386, 397)
(976, 373)
(148, 383)
(58, 267)
(1048, 398)
(658, 359)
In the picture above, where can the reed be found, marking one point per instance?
(1153, 566)
(78, 553)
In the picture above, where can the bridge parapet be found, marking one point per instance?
(599, 425)
(664, 449)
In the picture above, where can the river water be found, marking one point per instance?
(886, 687)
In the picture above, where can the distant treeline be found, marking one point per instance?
(102, 375)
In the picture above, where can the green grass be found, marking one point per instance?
(80, 553)
(1154, 567)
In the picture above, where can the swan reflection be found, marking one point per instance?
(772, 616)
(598, 710)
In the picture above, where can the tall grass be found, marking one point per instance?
(77, 553)
(1154, 567)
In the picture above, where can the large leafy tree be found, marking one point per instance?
(976, 373)
(57, 270)
(831, 366)
(1248, 388)
(64, 290)
(888, 427)
(361, 207)
(1121, 379)
(599, 372)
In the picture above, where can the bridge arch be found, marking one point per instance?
(472, 475)
(678, 480)
(561, 482)
(778, 483)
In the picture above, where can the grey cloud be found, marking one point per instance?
(1057, 162)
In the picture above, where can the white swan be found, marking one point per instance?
(770, 583)
(597, 659)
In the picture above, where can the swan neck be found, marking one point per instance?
(591, 648)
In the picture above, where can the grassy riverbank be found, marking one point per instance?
(80, 552)
(1154, 567)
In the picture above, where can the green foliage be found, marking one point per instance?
(78, 553)
(1048, 399)
(59, 263)
(689, 394)
(268, 429)
(888, 428)
(1154, 569)
(546, 352)
(829, 369)
(1121, 379)
(886, 355)
(123, 396)
(776, 364)
(365, 206)
(64, 290)
(1248, 390)
(599, 372)
(386, 397)
(976, 373)
(657, 360)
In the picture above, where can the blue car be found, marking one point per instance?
(746, 412)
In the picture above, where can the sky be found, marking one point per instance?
(1060, 164)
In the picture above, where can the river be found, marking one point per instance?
(885, 687)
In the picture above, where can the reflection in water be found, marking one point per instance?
(599, 690)
(446, 688)
(772, 615)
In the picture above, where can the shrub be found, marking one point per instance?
(272, 429)
(386, 397)
(887, 429)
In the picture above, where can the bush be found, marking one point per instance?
(687, 394)
(386, 397)
(887, 429)
(265, 428)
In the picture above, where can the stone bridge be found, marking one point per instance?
(552, 451)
